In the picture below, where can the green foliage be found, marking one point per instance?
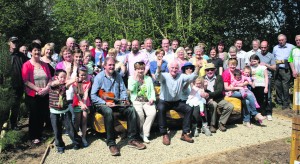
(11, 139)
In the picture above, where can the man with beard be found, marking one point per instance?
(105, 48)
(136, 56)
(110, 81)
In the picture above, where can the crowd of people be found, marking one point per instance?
(63, 89)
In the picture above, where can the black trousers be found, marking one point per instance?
(37, 107)
(179, 106)
(282, 85)
(15, 109)
(132, 122)
(261, 98)
(60, 120)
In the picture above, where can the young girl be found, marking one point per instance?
(197, 102)
(81, 102)
(60, 113)
(88, 63)
(261, 81)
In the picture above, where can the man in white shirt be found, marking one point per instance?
(169, 55)
(149, 49)
(255, 49)
(240, 53)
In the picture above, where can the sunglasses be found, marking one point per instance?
(212, 69)
(189, 53)
(189, 68)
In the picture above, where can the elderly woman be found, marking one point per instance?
(46, 57)
(143, 96)
(228, 77)
(160, 53)
(36, 76)
(215, 60)
(199, 57)
(67, 58)
(181, 56)
(233, 54)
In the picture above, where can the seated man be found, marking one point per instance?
(110, 81)
(215, 89)
(172, 84)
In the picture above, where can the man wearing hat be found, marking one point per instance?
(17, 60)
(216, 103)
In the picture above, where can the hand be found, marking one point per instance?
(110, 104)
(295, 74)
(263, 64)
(159, 63)
(199, 63)
(43, 91)
(204, 95)
(266, 90)
(83, 106)
(205, 83)
(150, 102)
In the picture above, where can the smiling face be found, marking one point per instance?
(297, 40)
(82, 76)
(254, 62)
(220, 48)
(77, 58)
(67, 56)
(61, 77)
(36, 53)
(160, 55)
(173, 68)
(247, 72)
(109, 66)
(213, 53)
(210, 72)
(238, 44)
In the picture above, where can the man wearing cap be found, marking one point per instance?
(216, 103)
(17, 60)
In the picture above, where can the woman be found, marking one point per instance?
(181, 56)
(160, 53)
(216, 61)
(143, 98)
(189, 53)
(66, 55)
(46, 57)
(119, 66)
(36, 76)
(221, 54)
(250, 104)
(199, 57)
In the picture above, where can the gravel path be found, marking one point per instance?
(237, 136)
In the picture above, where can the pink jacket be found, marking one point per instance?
(27, 75)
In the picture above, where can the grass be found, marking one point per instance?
(11, 139)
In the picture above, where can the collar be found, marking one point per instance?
(284, 46)
(213, 78)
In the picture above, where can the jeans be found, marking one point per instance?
(131, 117)
(179, 106)
(250, 105)
(60, 120)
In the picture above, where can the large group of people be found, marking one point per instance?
(64, 89)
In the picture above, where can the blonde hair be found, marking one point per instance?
(112, 51)
(181, 49)
(201, 80)
(87, 53)
(46, 46)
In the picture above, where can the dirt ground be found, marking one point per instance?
(277, 151)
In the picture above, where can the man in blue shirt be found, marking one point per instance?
(282, 74)
(110, 81)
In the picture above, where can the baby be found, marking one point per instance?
(195, 99)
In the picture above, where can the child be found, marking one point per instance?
(81, 102)
(240, 79)
(197, 102)
(88, 63)
(60, 113)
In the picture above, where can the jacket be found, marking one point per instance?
(17, 61)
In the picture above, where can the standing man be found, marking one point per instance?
(120, 56)
(149, 50)
(110, 81)
(97, 52)
(172, 84)
(282, 74)
(216, 102)
(255, 50)
(17, 60)
(105, 48)
(294, 58)
(175, 44)
(71, 43)
(169, 55)
(240, 53)
(267, 59)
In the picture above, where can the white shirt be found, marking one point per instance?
(241, 54)
(122, 56)
(169, 56)
(151, 54)
(249, 54)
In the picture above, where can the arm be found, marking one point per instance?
(123, 90)
(81, 103)
(266, 81)
(152, 91)
(293, 69)
(94, 92)
(146, 61)
(158, 74)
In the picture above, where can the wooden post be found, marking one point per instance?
(295, 146)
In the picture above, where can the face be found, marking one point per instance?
(117, 45)
(135, 46)
(238, 77)
(198, 84)
(23, 49)
(180, 54)
(84, 47)
(98, 43)
(105, 46)
(12, 46)
(140, 71)
(67, 56)
(160, 55)
(238, 44)
(123, 45)
(48, 52)
(198, 53)
(77, 58)
(82, 76)
(87, 57)
(188, 70)
(129, 46)
(247, 72)
(142, 46)
(71, 43)
(297, 40)
(165, 44)
(111, 55)
(232, 54)
(264, 47)
(36, 52)
(189, 54)
(213, 53)
(231, 66)
(255, 45)
(210, 72)
(110, 67)
(281, 40)
(174, 45)
(220, 48)
(254, 62)
(148, 45)
(173, 69)
(61, 77)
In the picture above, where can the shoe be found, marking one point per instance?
(76, 147)
(269, 117)
(259, 117)
(146, 140)
(247, 124)
(206, 131)
(222, 127)
(114, 150)
(196, 133)
(60, 150)
(166, 139)
(186, 138)
(212, 129)
(84, 143)
(136, 144)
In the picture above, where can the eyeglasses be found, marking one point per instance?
(188, 68)
(212, 69)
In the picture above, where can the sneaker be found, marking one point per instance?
(196, 132)
(269, 117)
(136, 144)
(146, 140)
(60, 150)
(247, 124)
(206, 131)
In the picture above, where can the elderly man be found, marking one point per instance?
(282, 75)
(84, 45)
(267, 59)
(255, 50)
(149, 50)
(121, 56)
(71, 43)
(172, 84)
(216, 102)
(169, 55)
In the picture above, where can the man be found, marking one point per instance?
(169, 55)
(97, 52)
(105, 48)
(240, 53)
(110, 81)
(120, 56)
(149, 50)
(23, 49)
(282, 74)
(17, 60)
(70, 43)
(175, 44)
(267, 59)
(172, 84)
(255, 50)
(136, 56)
(216, 103)
(128, 46)
(294, 58)
(84, 45)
